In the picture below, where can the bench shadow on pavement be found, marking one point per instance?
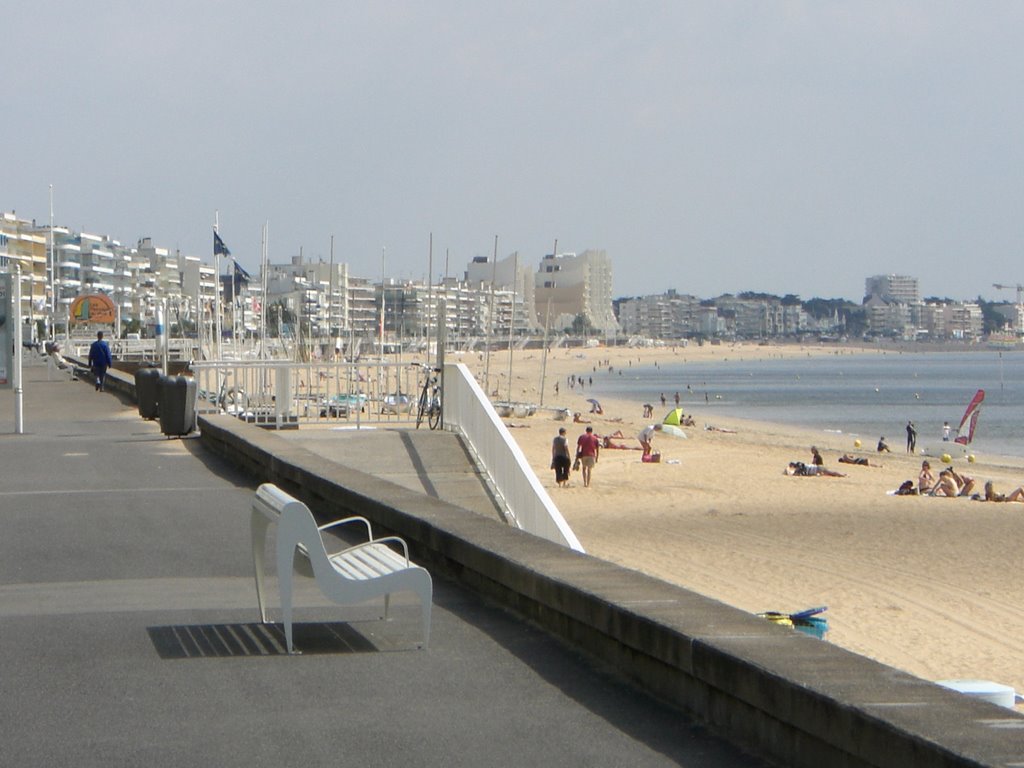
(205, 641)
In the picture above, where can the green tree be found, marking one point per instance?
(581, 326)
(993, 321)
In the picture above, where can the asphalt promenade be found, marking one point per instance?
(129, 633)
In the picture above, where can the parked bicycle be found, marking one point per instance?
(231, 400)
(430, 399)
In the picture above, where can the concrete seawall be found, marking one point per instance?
(787, 696)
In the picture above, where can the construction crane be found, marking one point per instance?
(1019, 324)
(1018, 287)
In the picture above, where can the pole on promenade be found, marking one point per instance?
(19, 422)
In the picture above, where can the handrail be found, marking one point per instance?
(282, 393)
(468, 411)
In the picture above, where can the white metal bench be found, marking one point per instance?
(352, 575)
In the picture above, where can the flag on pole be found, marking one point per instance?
(240, 276)
(219, 249)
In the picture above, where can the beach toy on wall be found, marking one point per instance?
(947, 459)
(856, 443)
(807, 621)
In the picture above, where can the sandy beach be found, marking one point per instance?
(929, 585)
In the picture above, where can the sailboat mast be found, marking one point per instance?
(490, 321)
(512, 318)
(547, 324)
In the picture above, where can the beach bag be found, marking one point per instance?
(576, 465)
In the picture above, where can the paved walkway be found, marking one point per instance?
(435, 463)
(128, 636)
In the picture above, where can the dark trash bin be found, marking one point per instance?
(147, 392)
(177, 405)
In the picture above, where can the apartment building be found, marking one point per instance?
(568, 285)
(900, 289)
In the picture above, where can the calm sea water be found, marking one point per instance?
(867, 395)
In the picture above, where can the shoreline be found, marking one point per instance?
(923, 584)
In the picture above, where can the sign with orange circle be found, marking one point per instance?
(93, 308)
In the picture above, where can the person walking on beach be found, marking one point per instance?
(911, 437)
(99, 360)
(588, 448)
(945, 431)
(560, 459)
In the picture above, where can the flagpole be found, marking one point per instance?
(263, 289)
(234, 304)
(52, 330)
(382, 252)
(330, 304)
(430, 290)
(218, 330)
(380, 359)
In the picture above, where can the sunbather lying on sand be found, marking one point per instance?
(799, 469)
(1016, 494)
(606, 442)
(847, 458)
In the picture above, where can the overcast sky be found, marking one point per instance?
(784, 147)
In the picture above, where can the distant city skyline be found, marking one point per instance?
(774, 147)
(1001, 293)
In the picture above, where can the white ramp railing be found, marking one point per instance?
(467, 410)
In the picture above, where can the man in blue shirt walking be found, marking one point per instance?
(99, 360)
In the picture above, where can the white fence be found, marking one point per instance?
(286, 394)
(467, 410)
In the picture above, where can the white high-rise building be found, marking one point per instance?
(900, 289)
(568, 285)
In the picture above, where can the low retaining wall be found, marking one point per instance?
(780, 693)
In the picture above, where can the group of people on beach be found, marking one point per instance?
(588, 450)
(883, 447)
(950, 484)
